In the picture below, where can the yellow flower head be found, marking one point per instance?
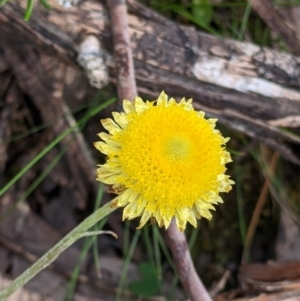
(164, 160)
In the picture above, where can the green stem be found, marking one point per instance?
(29, 9)
(55, 251)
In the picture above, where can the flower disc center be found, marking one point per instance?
(177, 148)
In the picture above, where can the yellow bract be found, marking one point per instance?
(165, 160)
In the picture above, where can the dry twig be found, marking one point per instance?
(122, 50)
(258, 208)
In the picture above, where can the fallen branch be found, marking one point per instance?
(249, 88)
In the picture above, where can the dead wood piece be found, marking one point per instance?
(256, 129)
(257, 83)
(55, 112)
(281, 296)
(6, 116)
(291, 13)
(283, 27)
(272, 271)
(92, 58)
(286, 246)
(4, 260)
(271, 277)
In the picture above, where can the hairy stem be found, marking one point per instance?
(189, 278)
(122, 50)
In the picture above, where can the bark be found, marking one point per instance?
(251, 89)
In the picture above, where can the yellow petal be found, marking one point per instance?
(187, 104)
(191, 218)
(104, 136)
(159, 218)
(145, 217)
(110, 125)
(167, 217)
(106, 148)
(226, 158)
(125, 197)
(162, 98)
(128, 106)
(224, 183)
(201, 114)
(140, 106)
(180, 222)
(120, 119)
(203, 211)
(212, 122)
(129, 211)
(118, 188)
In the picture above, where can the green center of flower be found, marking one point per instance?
(177, 148)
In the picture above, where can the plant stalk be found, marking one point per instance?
(78, 232)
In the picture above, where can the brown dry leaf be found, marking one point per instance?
(271, 277)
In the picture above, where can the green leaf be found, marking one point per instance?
(2, 2)
(202, 10)
(45, 4)
(197, 21)
(150, 284)
(28, 11)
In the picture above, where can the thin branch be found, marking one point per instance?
(122, 50)
(258, 208)
(192, 284)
